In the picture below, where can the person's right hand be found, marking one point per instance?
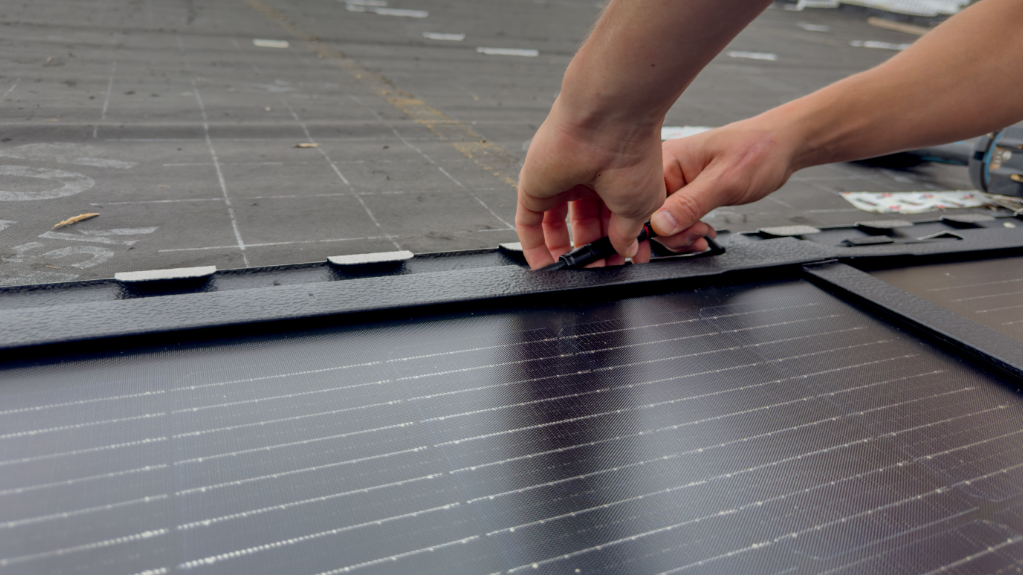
(736, 164)
(607, 179)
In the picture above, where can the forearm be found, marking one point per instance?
(960, 80)
(640, 57)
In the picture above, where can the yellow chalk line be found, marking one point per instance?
(486, 155)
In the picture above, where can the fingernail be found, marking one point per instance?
(633, 249)
(664, 222)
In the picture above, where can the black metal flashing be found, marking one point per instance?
(63, 313)
(977, 340)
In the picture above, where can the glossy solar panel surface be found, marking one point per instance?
(989, 292)
(766, 428)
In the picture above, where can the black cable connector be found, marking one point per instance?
(594, 251)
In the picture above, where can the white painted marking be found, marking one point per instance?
(213, 155)
(66, 153)
(4, 224)
(752, 55)
(98, 255)
(170, 274)
(103, 163)
(429, 159)
(29, 278)
(528, 53)
(813, 27)
(9, 90)
(878, 45)
(220, 173)
(99, 236)
(106, 98)
(447, 37)
(270, 43)
(157, 201)
(399, 12)
(337, 171)
(74, 183)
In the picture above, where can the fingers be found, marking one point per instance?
(555, 231)
(622, 232)
(690, 239)
(529, 227)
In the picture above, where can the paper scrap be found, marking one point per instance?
(508, 52)
(306, 145)
(899, 26)
(270, 43)
(74, 220)
(448, 37)
(753, 55)
(878, 45)
(915, 202)
(675, 132)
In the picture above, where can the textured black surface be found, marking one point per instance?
(989, 292)
(951, 327)
(62, 313)
(63, 323)
(761, 428)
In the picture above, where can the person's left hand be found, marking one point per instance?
(736, 164)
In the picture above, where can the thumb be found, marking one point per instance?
(622, 232)
(686, 207)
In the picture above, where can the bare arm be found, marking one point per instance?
(600, 146)
(960, 80)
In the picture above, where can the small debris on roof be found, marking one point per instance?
(305, 145)
(74, 220)
(270, 43)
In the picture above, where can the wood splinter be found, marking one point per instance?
(305, 145)
(74, 220)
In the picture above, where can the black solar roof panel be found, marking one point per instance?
(755, 422)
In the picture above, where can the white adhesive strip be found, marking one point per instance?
(161, 275)
(508, 52)
(448, 37)
(753, 55)
(375, 258)
(271, 43)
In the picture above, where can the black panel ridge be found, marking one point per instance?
(989, 292)
(976, 339)
(67, 313)
(766, 427)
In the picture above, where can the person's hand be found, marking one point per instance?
(737, 164)
(607, 180)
